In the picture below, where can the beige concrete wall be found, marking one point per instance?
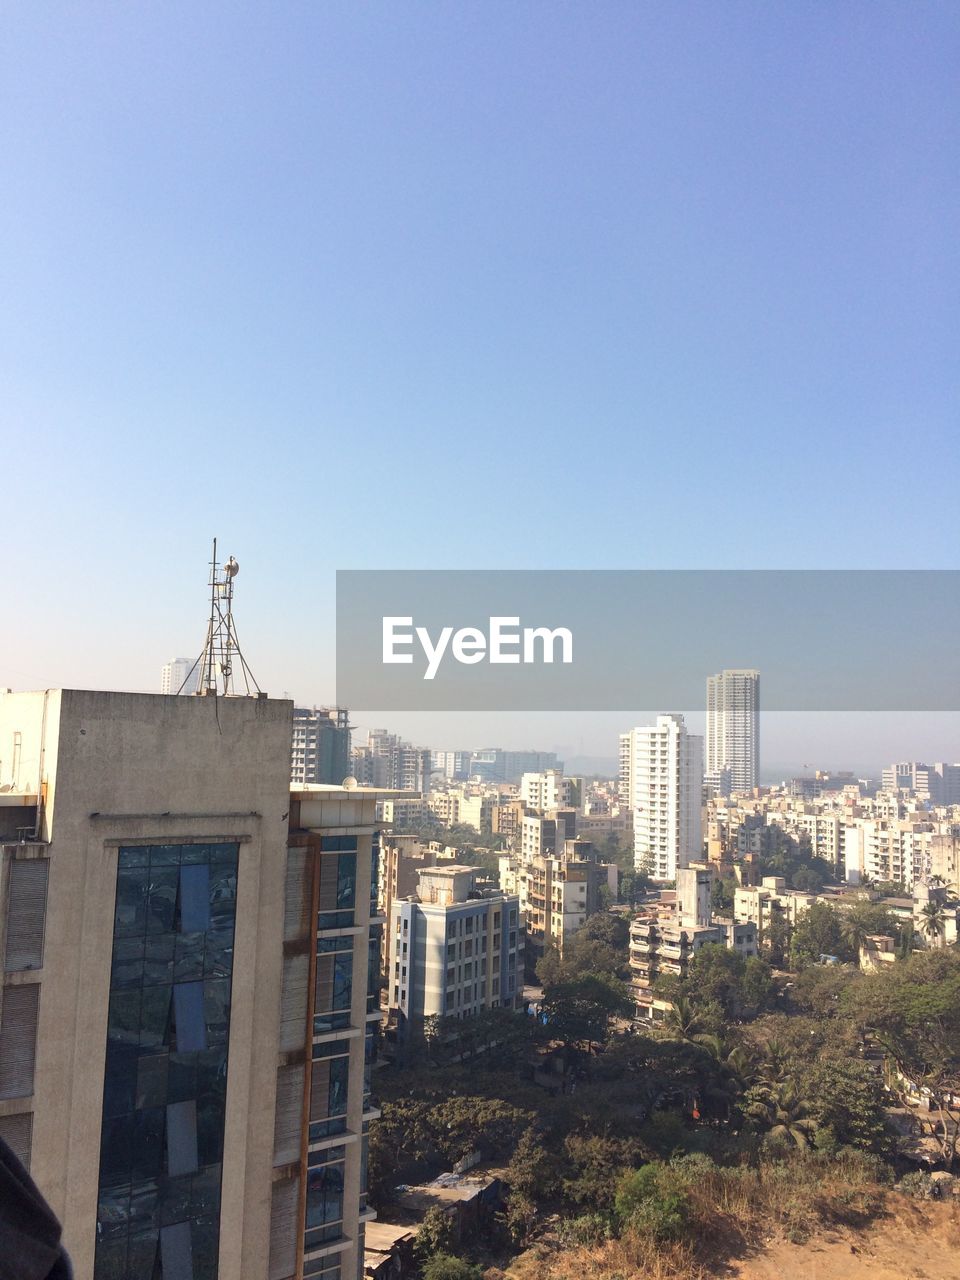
(224, 766)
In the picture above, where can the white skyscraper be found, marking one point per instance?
(662, 765)
(733, 729)
(174, 673)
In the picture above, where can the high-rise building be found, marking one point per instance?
(664, 766)
(186, 1017)
(321, 745)
(387, 761)
(733, 730)
(175, 672)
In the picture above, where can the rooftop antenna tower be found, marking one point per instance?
(212, 675)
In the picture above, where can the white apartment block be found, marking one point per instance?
(547, 790)
(174, 672)
(733, 730)
(456, 947)
(663, 765)
(458, 806)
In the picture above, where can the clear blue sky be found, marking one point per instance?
(481, 284)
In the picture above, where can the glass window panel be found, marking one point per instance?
(112, 1209)
(347, 880)
(342, 981)
(223, 895)
(142, 1255)
(212, 1073)
(188, 964)
(224, 855)
(144, 1205)
(176, 1252)
(216, 1009)
(111, 1261)
(205, 1192)
(124, 1017)
(158, 959)
(175, 1200)
(205, 1250)
(182, 1077)
(120, 1078)
(152, 1071)
(155, 1017)
(164, 855)
(190, 853)
(116, 1145)
(210, 1123)
(162, 893)
(218, 953)
(127, 970)
(147, 1144)
(182, 1138)
(134, 857)
(339, 1078)
(191, 1029)
(130, 912)
(324, 1195)
(194, 898)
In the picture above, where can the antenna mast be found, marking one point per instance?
(221, 651)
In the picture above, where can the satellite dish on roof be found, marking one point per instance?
(231, 568)
(349, 783)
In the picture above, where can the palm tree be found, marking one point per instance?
(854, 932)
(934, 921)
(783, 1113)
(683, 1022)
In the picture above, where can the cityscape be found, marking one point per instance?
(535, 853)
(239, 901)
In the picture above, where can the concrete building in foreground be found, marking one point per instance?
(186, 1017)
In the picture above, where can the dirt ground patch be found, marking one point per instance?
(913, 1241)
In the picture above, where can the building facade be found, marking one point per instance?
(733, 731)
(321, 746)
(662, 766)
(175, 672)
(185, 1017)
(456, 947)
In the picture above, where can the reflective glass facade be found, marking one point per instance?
(166, 1063)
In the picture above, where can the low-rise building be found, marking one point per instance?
(667, 934)
(455, 947)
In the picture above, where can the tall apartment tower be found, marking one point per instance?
(174, 672)
(663, 765)
(186, 1022)
(733, 729)
(321, 746)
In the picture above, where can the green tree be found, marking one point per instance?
(863, 921)
(818, 933)
(444, 1266)
(435, 1236)
(581, 1010)
(933, 922)
(912, 1011)
(653, 1200)
(848, 1100)
(781, 1112)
